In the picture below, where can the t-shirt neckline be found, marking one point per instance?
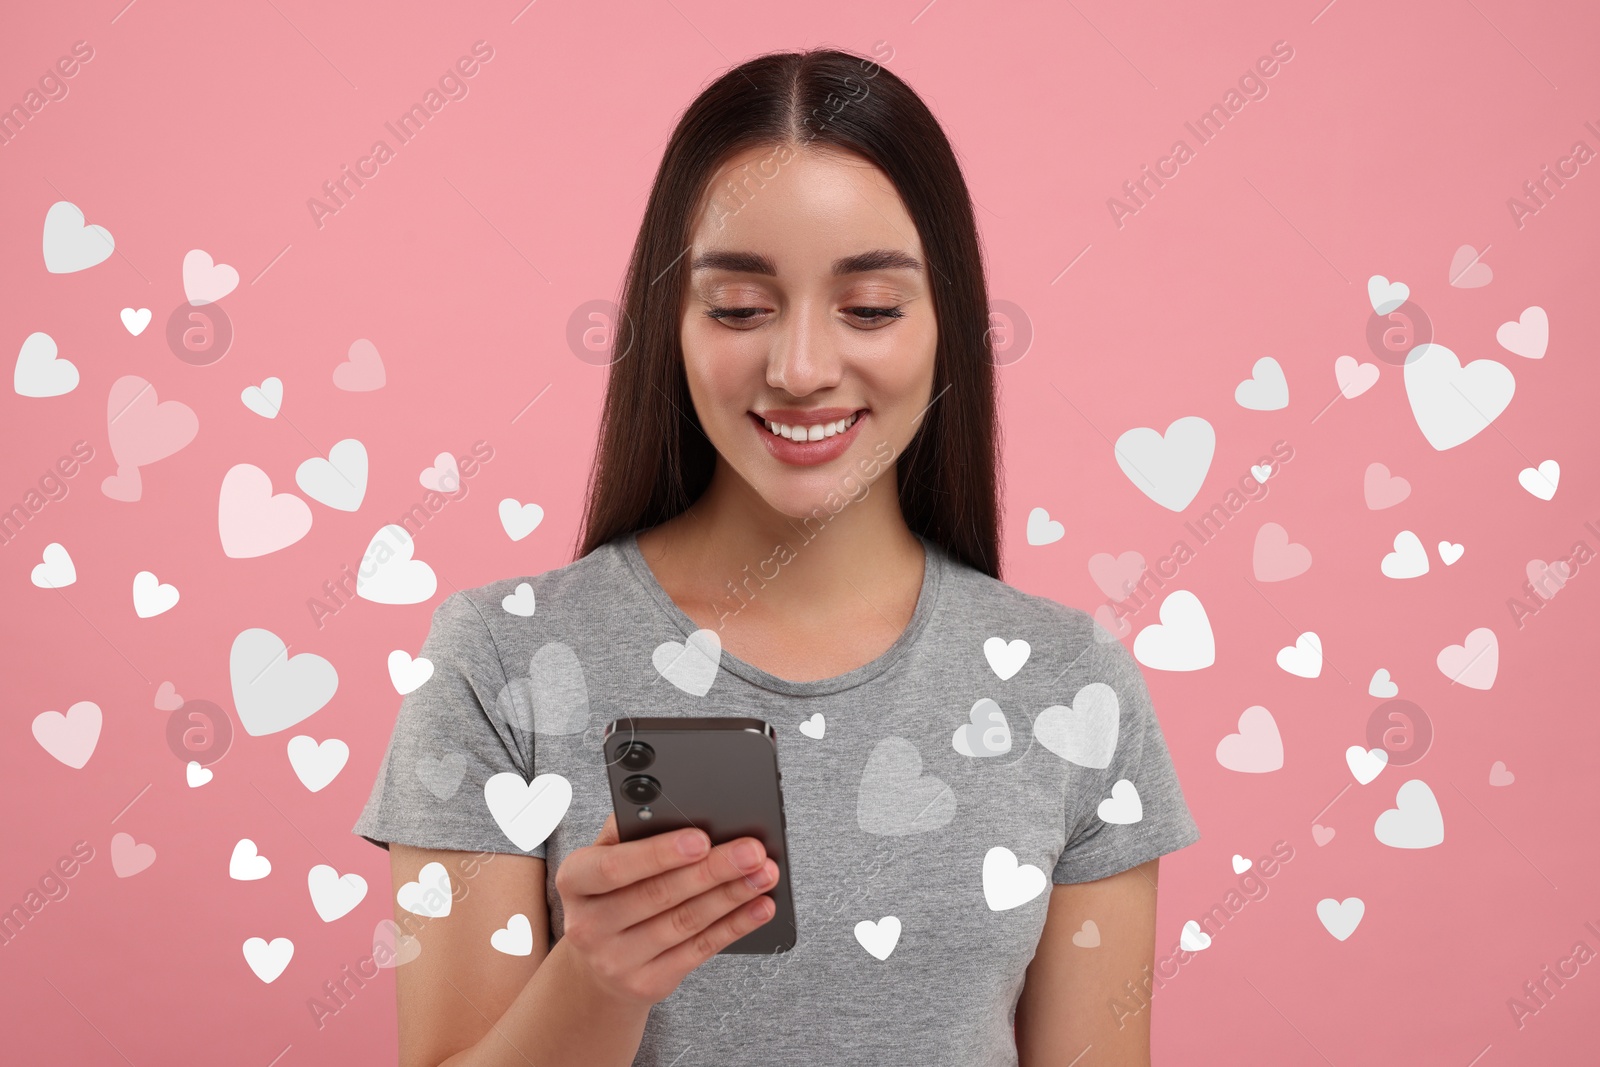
(932, 573)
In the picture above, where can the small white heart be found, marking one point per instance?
(135, 321)
(1240, 864)
(1541, 481)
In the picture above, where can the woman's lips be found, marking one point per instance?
(808, 453)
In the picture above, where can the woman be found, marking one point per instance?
(792, 515)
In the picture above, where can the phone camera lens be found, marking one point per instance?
(636, 755)
(641, 788)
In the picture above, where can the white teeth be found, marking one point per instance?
(814, 432)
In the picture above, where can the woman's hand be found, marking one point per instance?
(642, 914)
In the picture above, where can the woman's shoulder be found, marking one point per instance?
(595, 581)
(976, 591)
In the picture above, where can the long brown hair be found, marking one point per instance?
(652, 458)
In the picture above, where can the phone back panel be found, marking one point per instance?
(719, 774)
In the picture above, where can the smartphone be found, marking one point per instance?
(719, 773)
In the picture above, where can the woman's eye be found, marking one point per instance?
(746, 314)
(877, 314)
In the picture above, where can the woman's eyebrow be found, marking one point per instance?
(756, 263)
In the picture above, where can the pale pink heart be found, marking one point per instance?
(252, 520)
(1117, 576)
(204, 281)
(1118, 627)
(141, 430)
(129, 858)
(1467, 270)
(1547, 578)
(1276, 557)
(1257, 747)
(70, 738)
(1528, 335)
(1474, 663)
(390, 947)
(363, 371)
(168, 698)
(1354, 378)
(1499, 775)
(1321, 834)
(126, 485)
(1382, 489)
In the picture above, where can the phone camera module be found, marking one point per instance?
(641, 788)
(636, 755)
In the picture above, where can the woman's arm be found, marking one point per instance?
(1069, 996)
(464, 1003)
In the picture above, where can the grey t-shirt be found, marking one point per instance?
(928, 794)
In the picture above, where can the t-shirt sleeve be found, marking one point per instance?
(447, 743)
(1148, 817)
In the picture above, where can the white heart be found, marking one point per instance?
(1261, 472)
(265, 399)
(196, 775)
(1417, 821)
(1169, 467)
(273, 691)
(152, 597)
(520, 602)
(1240, 864)
(1303, 659)
(1085, 733)
(135, 321)
(1385, 295)
(1266, 389)
(1006, 658)
(430, 894)
(71, 246)
(1364, 763)
(268, 960)
(340, 481)
(1123, 805)
(39, 372)
(1381, 686)
(1193, 939)
(515, 938)
(333, 895)
(518, 519)
(1182, 640)
(878, 938)
(1042, 529)
(1452, 403)
(317, 764)
(407, 674)
(527, 812)
(814, 726)
(1341, 918)
(396, 578)
(1008, 884)
(1450, 551)
(246, 864)
(1408, 560)
(1541, 481)
(204, 280)
(56, 570)
(692, 665)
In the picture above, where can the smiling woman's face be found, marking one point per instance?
(808, 302)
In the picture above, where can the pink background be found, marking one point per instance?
(1395, 135)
